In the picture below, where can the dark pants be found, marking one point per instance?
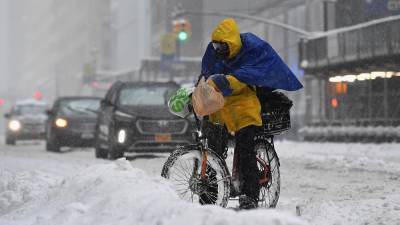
(244, 147)
(248, 170)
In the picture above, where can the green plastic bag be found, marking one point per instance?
(179, 102)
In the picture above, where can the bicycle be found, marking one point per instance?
(200, 174)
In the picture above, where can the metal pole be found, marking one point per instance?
(308, 93)
(370, 101)
(178, 50)
(244, 16)
(286, 39)
(385, 101)
(321, 91)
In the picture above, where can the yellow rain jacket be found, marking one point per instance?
(242, 107)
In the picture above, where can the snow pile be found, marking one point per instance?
(117, 193)
(18, 189)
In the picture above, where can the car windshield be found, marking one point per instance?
(134, 96)
(79, 107)
(29, 109)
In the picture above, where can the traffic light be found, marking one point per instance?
(38, 95)
(334, 102)
(182, 35)
(182, 29)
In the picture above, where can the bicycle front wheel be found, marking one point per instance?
(268, 164)
(183, 168)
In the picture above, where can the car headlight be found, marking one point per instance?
(121, 136)
(61, 123)
(14, 125)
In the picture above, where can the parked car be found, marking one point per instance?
(134, 117)
(25, 121)
(71, 122)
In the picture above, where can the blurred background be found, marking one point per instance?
(346, 53)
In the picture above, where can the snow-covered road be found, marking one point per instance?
(330, 183)
(342, 183)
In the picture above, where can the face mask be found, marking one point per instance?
(221, 49)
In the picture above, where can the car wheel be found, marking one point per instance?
(100, 152)
(52, 144)
(115, 153)
(10, 141)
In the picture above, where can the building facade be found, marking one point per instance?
(3, 48)
(52, 42)
(354, 72)
(129, 29)
(3, 60)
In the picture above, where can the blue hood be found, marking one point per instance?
(256, 64)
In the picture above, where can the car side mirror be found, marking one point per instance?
(106, 103)
(7, 115)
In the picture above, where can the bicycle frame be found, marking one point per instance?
(203, 144)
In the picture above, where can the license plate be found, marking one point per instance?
(87, 136)
(162, 137)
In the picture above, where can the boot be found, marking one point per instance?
(246, 202)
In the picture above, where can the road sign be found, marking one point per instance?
(168, 44)
(88, 73)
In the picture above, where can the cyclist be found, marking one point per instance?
(236, 64)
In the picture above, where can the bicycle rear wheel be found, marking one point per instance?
(183, 169)
(269, 170)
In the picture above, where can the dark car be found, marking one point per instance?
(72, 122)
(25, 121)
(134, 117)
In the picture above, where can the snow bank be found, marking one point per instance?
(18, 189)
(117, 193)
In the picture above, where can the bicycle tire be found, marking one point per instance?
(270, 191)
(186, 179)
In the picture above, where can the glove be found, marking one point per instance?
(222, 83)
